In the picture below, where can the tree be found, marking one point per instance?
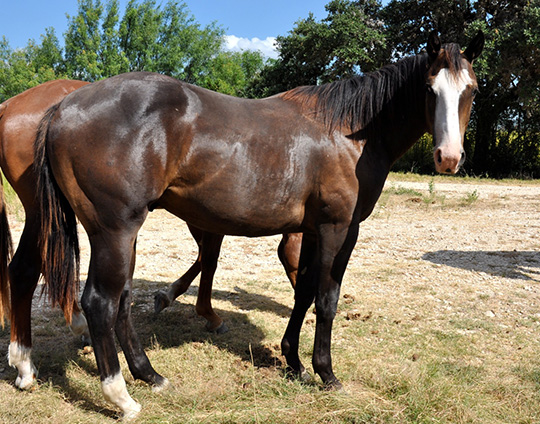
(148, 37)
(25, 68)
(231, 72)
(408, 22)
(83, 41)
(348, 41)
(113, 60)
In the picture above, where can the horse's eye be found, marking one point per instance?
(475, 91)
(429, 89)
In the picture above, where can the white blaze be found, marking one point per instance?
(448, 90)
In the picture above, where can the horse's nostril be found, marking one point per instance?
(439, 157)
(462, 160)
(448, 171)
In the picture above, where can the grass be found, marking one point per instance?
(411, 342)
(440, 178)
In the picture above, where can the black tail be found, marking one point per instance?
(58, 241)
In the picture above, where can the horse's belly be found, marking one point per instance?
(234, 215)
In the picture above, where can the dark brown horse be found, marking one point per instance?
(19, 120)
(311, 160)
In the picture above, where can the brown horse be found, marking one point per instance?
(19, 120)
(206, 264)
(311, 160)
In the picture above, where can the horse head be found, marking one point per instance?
(450, 89)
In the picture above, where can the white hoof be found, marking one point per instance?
(115, 391)
(131, 414)
(162, 387)
(26, 382)
(79, 327)
(19, 357)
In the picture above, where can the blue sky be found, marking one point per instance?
(247, 23)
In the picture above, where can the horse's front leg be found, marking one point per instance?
(335, 248)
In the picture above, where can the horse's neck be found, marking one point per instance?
(405, 129)
(403, 138)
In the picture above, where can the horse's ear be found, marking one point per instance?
(475, 47)
(433, 45)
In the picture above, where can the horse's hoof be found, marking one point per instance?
(27, 383)
(333, 385)
(159, 388)
(220, 329)
(86, 340)
(161, 301)
(305, 377)
(301, 375)
(131, 414)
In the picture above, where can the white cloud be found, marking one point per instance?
(266, 46)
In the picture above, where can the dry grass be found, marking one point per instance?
(438, 322)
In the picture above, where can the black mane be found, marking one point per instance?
(360, 103)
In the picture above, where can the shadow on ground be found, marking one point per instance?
(523, 265)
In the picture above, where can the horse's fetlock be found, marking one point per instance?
(285, 347)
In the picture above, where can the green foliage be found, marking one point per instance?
(23, 69)
(231, 72)
(349, 40)
(356, 36)
(83, 39)
(101, 42)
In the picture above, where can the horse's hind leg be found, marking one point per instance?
(137, 360)
(24, 272)
(107, 304)
(289, 255)
(163, 299)
(211, 246)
